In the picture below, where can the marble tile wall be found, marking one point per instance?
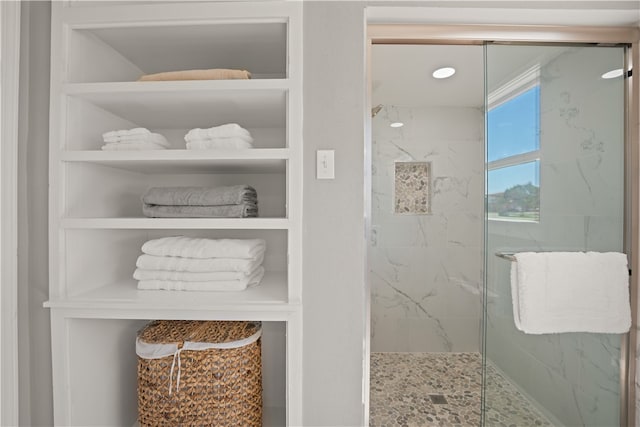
(573, 376)
(426, 271)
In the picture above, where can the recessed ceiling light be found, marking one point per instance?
(396, 124)
(444, 72)
(612, 74)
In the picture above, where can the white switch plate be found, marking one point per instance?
(325, 166)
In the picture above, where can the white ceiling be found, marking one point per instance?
(401, 75)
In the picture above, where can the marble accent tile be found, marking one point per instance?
(603, 233)
(402, 383)
(405, 231)
(412, 191)
(463, 230)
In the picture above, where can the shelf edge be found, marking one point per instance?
(98, 88)
(176, 223)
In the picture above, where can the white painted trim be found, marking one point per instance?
(510, 13)
(518, 159)
(9, 78)
(520, 84)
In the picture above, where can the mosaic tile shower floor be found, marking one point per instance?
(407, 390)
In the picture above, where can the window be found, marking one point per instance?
(513, 150)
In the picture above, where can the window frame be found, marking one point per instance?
(522, 83)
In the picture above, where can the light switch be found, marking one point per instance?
(325, 164)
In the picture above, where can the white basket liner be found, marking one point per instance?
(159, 350)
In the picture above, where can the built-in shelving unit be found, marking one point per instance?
(99, 50)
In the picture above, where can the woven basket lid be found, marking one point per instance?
(180, 331)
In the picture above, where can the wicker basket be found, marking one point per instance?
(197, 373)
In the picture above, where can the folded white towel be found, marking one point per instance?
(239, 139)
(126, 132)
(555, 292)
(221, 285)
(195, 247)
(188, 276)
(223, 131)
(218, 144)
(242, 138)
(198, 265)
(133, 146)
(149, 137)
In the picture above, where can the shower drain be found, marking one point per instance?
(438, 399)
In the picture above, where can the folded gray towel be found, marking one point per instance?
(225, 211)
(200, 196)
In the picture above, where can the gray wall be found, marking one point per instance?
(334, 244)
(36, 406)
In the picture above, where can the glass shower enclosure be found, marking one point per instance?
(555, 181)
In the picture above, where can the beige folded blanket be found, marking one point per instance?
(212, 74)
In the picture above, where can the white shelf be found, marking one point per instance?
(189, 104)
(174, 87)
(176, 223)
(270, 294)
(270, 160)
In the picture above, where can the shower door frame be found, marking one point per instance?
(533, 34)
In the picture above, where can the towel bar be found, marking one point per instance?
(506, 255)
(509, 256)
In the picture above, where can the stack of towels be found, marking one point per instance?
(196, 264)
(236, 201)
(228, 136)
(133, 139)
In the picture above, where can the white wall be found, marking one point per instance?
(426, 270)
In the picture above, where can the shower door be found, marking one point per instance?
(555, 182)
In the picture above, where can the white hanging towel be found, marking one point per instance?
(554, 292)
